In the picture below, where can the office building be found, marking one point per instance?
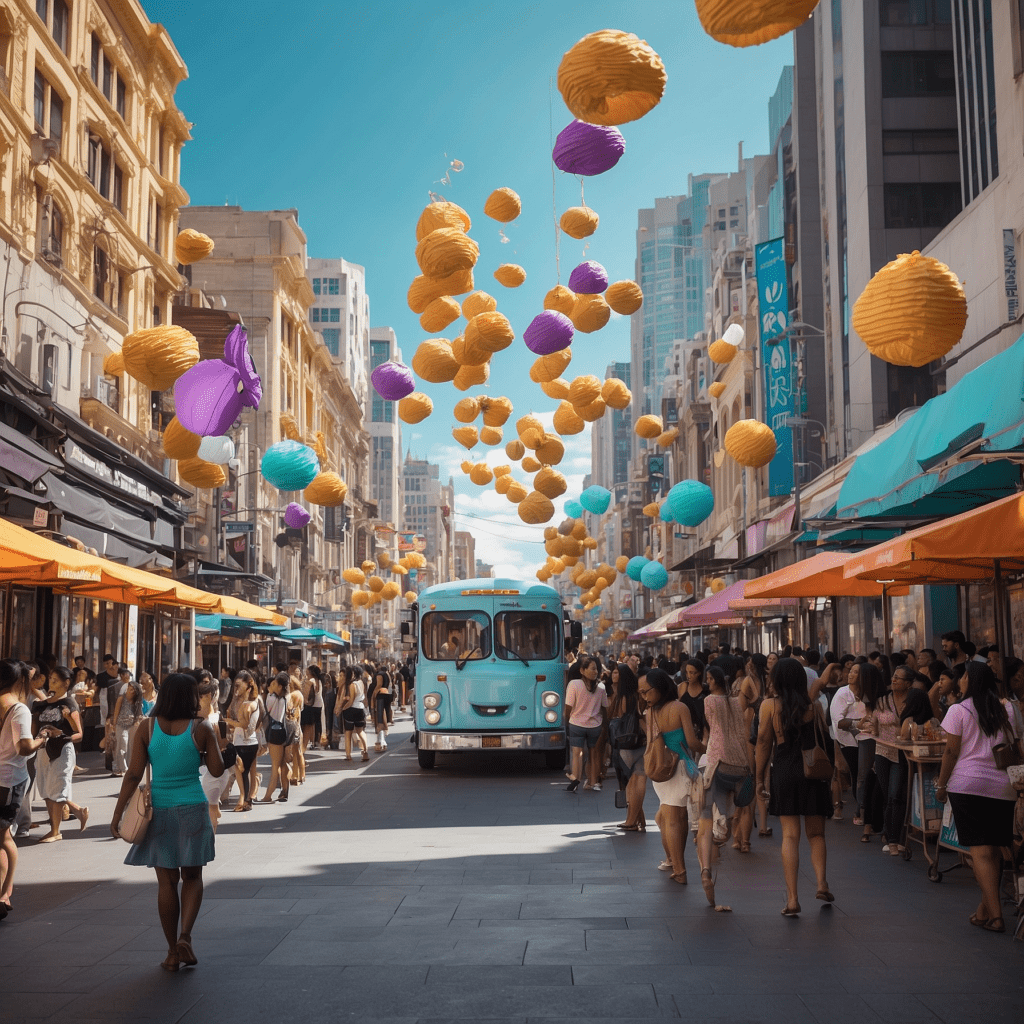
(428, 511)
(385, 435)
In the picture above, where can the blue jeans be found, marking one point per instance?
(892, 778)
(584, 738)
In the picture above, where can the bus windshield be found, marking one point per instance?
(451, 636)
(527, 636)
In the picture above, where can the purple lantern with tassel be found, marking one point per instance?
(589, 278)
(393, 381)
(549, 332)
(587, 149)
(295, 516)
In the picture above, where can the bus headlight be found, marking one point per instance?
(432, 700)
(550, 699)
(432, 717)
(550, 716)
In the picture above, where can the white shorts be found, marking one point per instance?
(214, 787)
(675, 791)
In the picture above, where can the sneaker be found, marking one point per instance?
(665, 865)
(885, 849)
(596, 787)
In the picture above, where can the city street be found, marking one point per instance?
(484, 891)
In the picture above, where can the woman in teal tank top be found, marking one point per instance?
(174, 741)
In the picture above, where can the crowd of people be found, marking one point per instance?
(732, 739)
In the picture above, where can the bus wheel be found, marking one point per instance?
(555, 759)
(425, 758)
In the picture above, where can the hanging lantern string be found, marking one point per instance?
(554, 200)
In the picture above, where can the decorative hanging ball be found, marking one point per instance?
(588, 149)
(503, 205)
(550, 482)
(496, 410)
(113, 364)
(665, 513)
(716, 389)
(375, 583)
(596, 499)
(557, 389)
(751, 443)
(368, 566)
(528, 422)
(470, 354)
(718, 585)
(180, 443)
(567, 421)
(586, 579)
(516, 493)
(391, 590)
(289, 465)
(548, 368)
(667, 437)
(611, 77)
(560, 298)
(415, 408)
(490, 331)
(615, 393)
(201, 474)
(654, 576)
(588, 278)
(733, 334)
(218, 450)
(751, 22)
(531, 464)
(191, 246)
(446, 251)
(721, 351)
(584, 389)
(502, 470)
(590, 313)
(515, 450)
(573, 508)
(439, 314)
(354, 576)
(478, 302)
(481, 474)
(434, 362)
(327, 490)
(536, 508)
(621, 562)
(296, 517)
(466, 436)
(424, 289)
(472, 376)
(593, 411)
(511, 275)
(466, 409)
(690, 502)
(491, 436)
(912, 311)
(158, 356)
(625, 297)
(441, 215)
(579, 530)
(360, 599)
(648, 427)
(550, 331)
(635, 566)
(550, 451)
(503, 483)
(579, 221)
(392, 380)
(652, 509)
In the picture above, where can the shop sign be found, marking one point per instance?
(102, 471)
(132, 640)
(1010, 273)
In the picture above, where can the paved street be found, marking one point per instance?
(484, 891)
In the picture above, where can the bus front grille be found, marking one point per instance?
(491, 710)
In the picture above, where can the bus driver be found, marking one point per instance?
(451, 649)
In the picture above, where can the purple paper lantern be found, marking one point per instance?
(393, 381)
(589, 278)
(296, 516)
(549, 332)
(210, 396)
(587, 149)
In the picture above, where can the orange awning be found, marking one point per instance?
(227, 605)
(960, 549)
(820, 575)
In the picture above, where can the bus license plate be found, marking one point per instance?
(491, 741)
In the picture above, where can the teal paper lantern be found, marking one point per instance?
(573, 509)
(635, 566)
(596, 499)
(690, 502)
(290, 465)
(654, 576)
(665, 513)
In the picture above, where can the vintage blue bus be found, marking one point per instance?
(490, 669)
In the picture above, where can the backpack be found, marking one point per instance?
(624, 732)
(261, 722)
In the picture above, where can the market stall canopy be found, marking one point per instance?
(820, 575)
(243, 609)
(659, 627)
(958, 451)
(312, 636)
(236, 626)
(710, 611)
(972, 547)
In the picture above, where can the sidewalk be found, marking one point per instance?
(483, 890)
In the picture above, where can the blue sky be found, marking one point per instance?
(352, 115)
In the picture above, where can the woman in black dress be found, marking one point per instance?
(786, 728)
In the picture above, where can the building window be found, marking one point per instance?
(332, 285)
(918, 73)
(94, 62)
(316, 287)
(48, 108)
(54, 15)
(920, 141)
(101, 274)
(332, 339)
(51, 229)
(335, 315)
(902, 13)
(921, 204)
(107, 85)
(121, 99)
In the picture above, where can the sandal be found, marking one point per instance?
(994, 925)
(171, 963)
(665, 865)
(866, 838)
(679, 877)
(709, 885)
(185, 953)
(743, 847)
(789, 911)
(765, 833)
(825, 896)
(979, 922)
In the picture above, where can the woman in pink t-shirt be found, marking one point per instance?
(586, 708)
(979, 792)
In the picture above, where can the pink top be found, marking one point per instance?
(975, 771)
(586, 706)
(729, 733)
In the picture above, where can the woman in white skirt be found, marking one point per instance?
(57, 719)
(668, 716)
(214, 786)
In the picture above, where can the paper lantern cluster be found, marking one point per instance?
(377, 589)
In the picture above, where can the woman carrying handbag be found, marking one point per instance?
(179, 838)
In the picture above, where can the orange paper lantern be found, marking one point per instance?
(751, 22)
(503, 205)
(750, 443)
(511, 275)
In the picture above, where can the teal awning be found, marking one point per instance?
(232, 625)
(312, 636)
(958, 451)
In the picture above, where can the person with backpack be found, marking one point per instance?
(627, 742)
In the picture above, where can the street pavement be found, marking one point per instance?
(483, 891)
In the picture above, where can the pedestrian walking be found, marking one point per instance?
(790, 723)
(312, 707)
(627, 742)
(277, 737)
(57, 719)
(294, 754)
(243, 738)
(753, 690)
(128, 712)
(351, 707)
(977, 787)
(383, 695)
(586, 710)
(148, 692)
(213, 786)
(179, 840)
